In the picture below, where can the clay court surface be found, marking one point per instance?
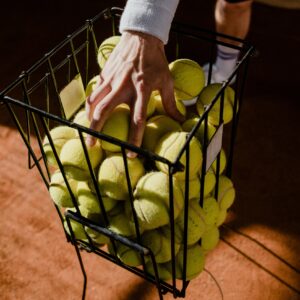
(263, 263)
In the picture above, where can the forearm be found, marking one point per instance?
(153, 17)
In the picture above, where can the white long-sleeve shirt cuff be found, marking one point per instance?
(149, 16)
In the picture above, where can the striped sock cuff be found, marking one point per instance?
(227, 55)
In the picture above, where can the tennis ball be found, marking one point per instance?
(195, 262)
(207, 95)
(112, 176)
(189, 124)
(116, 126)
(195, 225)
(210, 238)
(194, 187)
(169, 147)
(152, 201)
(163, 272)
(92, 85)
(156, 127)
(77, 227)
(189, 78)
(221, 217)
(106, 48)
(81, 119)
(127, 255)
(159, 107)
(226, 192)
(209, 182)
(73, 159)
(60, 135)
(210, 210)
(159, 244)
(59, 192)
(223, 162)
(119, 222)
(96, 236)
(88, 198)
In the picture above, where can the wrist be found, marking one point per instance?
(143, 36)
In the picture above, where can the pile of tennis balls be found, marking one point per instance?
(149, 181)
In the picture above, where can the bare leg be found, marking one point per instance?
(233, 18)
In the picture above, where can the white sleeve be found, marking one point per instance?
(149, 16)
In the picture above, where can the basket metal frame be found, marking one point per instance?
(39, 120)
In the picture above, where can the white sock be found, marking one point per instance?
(226, 60)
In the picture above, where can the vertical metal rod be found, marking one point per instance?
(87, 52)
(36, 130)
(73, 239)
(74, 55)
(61, 168)
(172, 225)
(204, 160)
(95, 183)
(56, 88)
(218, 160)
(186, 216)
(212, 47)
(47, 95)
(23, 135)
(131, 199)
(157, 282)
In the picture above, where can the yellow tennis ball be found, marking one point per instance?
(194, 187)
(223, 162)
(106, 48)
(221, 217)
(159, 244)
(77, 227)
(226, 193)
(169, 147)
(81, 119)
(156, 127)
(207, 95)
(60, 135)
(163, 272)
(96, 236)
(209, 182)
(119, 222)
(189, 78)
(210, 238)
(73, 159)
(195, 225)
(117, 126)
(127, 255)
(159, 108)
(88, 199)
(210, 210)
(152, 200)
(189, 124)
(59, 192)
(195, 262)
(92, 85)
(112, 176)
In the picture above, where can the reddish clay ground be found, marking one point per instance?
(37, 263)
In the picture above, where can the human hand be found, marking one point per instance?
(135, 68)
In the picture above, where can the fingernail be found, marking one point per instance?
(131, 154)
(90, 141)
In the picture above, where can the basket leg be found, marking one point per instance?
(82, 269)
